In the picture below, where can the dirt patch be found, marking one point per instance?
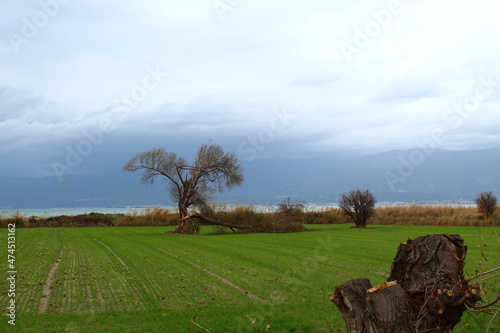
(91, 299)
(47, 289)
(243, 290)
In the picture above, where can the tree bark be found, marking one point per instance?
(426, 292)
(186, 224)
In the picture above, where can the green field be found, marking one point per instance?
(139, 279)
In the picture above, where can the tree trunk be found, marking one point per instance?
(360, 223)
(186, 224)
(219, 223)
(426, 292)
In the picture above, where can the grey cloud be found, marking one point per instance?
(407, 89)
(405, 94)
(315, 81)
(227, 76)
(16, 103)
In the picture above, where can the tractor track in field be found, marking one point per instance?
(117, 257)
(47, 289)
(133, 290)
(22, 245)
(243, 290)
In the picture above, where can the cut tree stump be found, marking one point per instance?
(426, 290)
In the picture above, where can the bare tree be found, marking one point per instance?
(291, 208)
(358, 205)
(190, 185)
(486, 204)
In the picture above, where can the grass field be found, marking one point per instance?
(139, 279)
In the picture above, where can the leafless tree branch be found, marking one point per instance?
(213, 170)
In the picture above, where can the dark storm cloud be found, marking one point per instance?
(261, 78)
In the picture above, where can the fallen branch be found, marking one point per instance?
(216, 222)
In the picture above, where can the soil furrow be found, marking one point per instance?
(44, 301)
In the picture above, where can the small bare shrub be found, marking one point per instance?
(291, 208)
(358, 205)
(282, 222)
(245, 215)
(252, 221)
(290, 217)
(486, 204)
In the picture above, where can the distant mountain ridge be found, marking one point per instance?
(403, 175)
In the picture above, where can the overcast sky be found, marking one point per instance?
(84, 85)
